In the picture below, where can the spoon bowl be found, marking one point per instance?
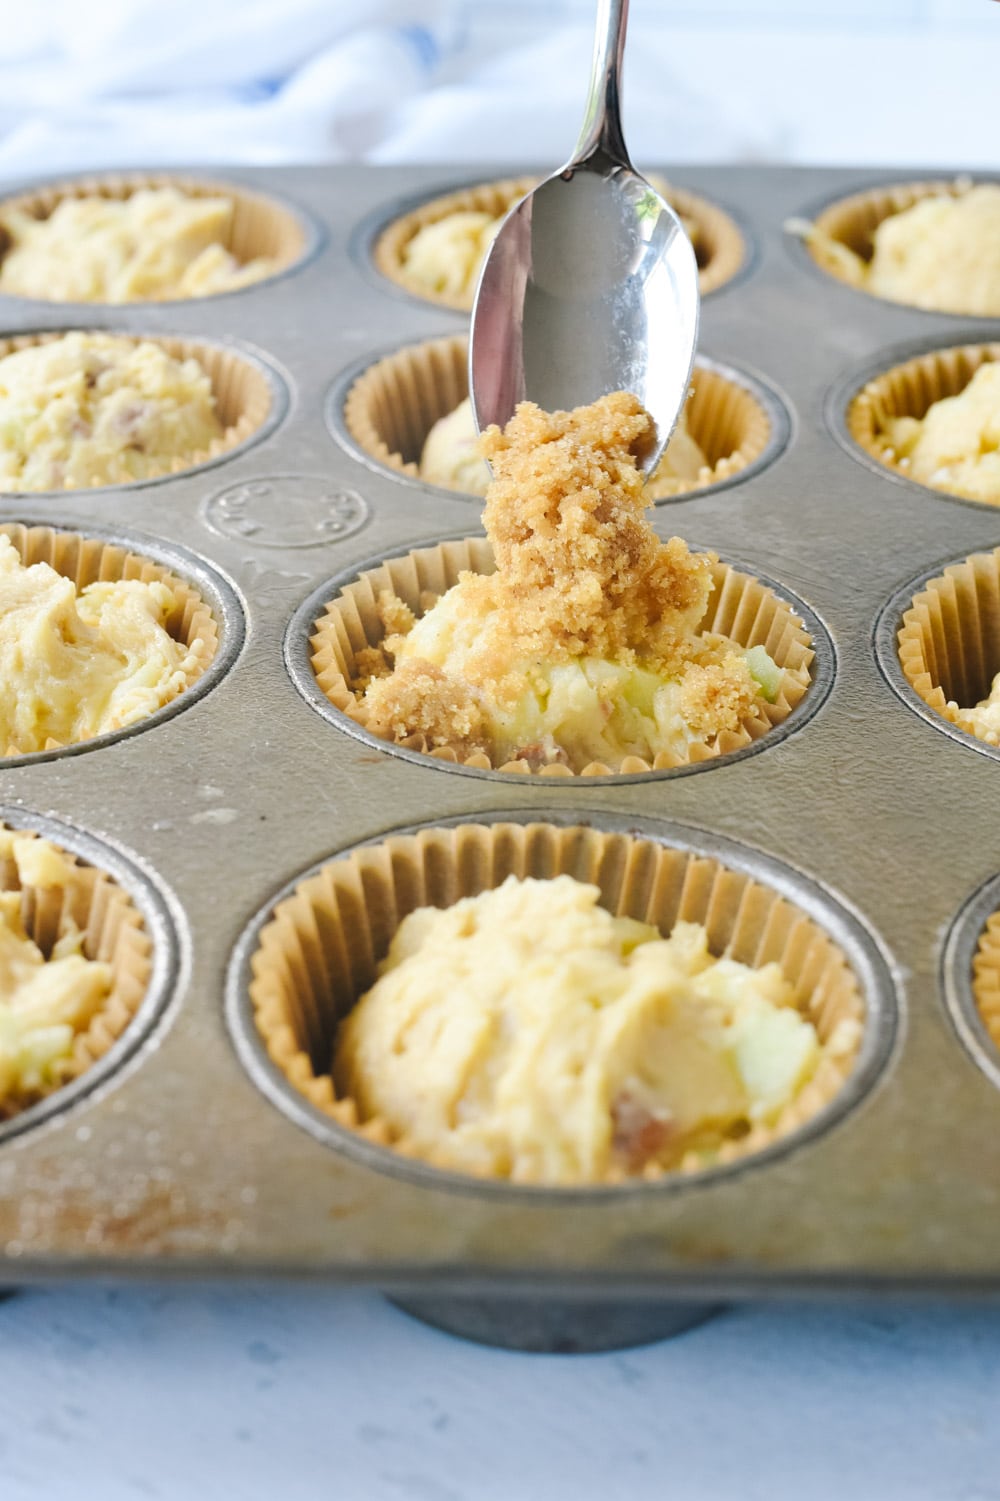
(591, 284)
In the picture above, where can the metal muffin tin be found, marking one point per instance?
(176, 1161)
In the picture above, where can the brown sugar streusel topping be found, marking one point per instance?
(580, 574)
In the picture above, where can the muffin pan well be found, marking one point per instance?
(382, 411)
(207, 617)
(126, 923)
(288, 994)
(938, 643)
(861, 408)
(721, 247)
(251, 396)
(342, 618)
(851, 221)
(261, 225)
(970, 976)
(196, 1155)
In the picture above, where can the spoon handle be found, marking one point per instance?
(602, 126)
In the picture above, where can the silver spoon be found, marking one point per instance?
(591, 284)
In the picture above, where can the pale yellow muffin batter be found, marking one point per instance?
(956, 445)
(983, 719)
(445, 256)
(96, 409)
(451, 456)
(44, 1000)
(942, 254)
(527, 1033)
(155, 245)
(584, 645)
(74, 666)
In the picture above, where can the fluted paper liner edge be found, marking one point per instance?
(393, 405)
(242, 393)
(986, 977)
(948, 641)
(113, 933)
(730, 427)
(319, 951)
(88, 560)
(853, 220)
(720, 246)
(260, 226)
(740, 607)
(910, 389)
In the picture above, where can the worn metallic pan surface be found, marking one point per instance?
(179, 1161)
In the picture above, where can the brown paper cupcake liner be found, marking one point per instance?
(719, 244)
(494, 198)
(949, 642)
(852, 221)
(740, 607)
(910, 390)
(243, 396)
(259, 226)
(729, 425)
(89, 560)
(986, 977)
(393, 405)
(319, 952)
(113, 933)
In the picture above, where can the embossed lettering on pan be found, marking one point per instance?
(286, 510)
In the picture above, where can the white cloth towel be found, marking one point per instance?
(130, 82)
(123, 82)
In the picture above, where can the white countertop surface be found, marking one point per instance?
(297, 1394)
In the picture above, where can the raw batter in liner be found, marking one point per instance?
(942, 254)
(44, 1000)
(95, 409)
(155, 245)
(445, 256)
(955, 446)
(77, 665)
(583, 646)
(528, 1033)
